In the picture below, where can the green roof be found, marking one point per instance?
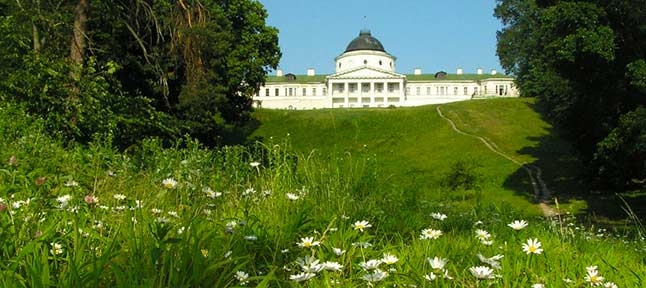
(454, 77)
(300, 79)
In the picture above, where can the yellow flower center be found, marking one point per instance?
(532, 249)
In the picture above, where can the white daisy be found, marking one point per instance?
(482, 234)
(430, 234)
(300, 277)
(242, 277)
(518, 224)
(370, 264)
(493, 261)
(376, 276)
(332, 266)
(532, 246)
(482, 272)
(360, 225)
(169, 183)
(389, 259)
(308, 242)
(437, 263)
(438, 216)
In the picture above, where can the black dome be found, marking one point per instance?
(365, 41)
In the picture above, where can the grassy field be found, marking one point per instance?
(415, 148)
(343, 198)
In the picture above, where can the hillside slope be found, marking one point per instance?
(415, 148)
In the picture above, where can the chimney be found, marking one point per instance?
(459, 72)
(417, 71)
(311, 72)
(493, 72)
(279, 72)
(479, 71)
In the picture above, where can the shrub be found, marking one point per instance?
(463, 175)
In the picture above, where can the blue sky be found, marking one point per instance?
(433, 35)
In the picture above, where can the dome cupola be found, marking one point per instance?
(365, 41)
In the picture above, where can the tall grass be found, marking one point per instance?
(265, 215)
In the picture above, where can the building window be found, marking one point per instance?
(466, 91)
(304, 91)
(379, 87)
(324, 91)
(276, 92)
(418, 91)
(365, 62)
(407, 90)
(379, 62)
(428, 90)
(340, 87)
(352, 87)
(442, 90)
(455, 90)
(437, 90)
(475, 90)
(314, 91)
(267, 92)
(339, 64)
(365, 87)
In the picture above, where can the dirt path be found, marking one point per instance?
(541, 193)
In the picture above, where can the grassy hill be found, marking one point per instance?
(345, 192)
(416, 148)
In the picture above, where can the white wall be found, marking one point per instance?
(355, 59)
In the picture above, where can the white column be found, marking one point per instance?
(372, 93)
(346, 94)
(386, 94)
(360, 88)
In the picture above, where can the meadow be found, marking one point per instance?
(327, 198)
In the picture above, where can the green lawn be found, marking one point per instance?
(415, 148)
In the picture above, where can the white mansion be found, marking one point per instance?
(365, 77)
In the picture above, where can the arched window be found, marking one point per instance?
(365, 62)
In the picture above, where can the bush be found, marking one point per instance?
(463, 175)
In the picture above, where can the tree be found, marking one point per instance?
(621, 156)
(580, 59)
(192, 63)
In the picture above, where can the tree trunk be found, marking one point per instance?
(79, 32)
(77, 50)
(36, 38)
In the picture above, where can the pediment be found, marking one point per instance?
(366, 72)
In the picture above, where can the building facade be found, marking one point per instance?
(365, 77)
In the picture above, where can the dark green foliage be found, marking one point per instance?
(463, 175)
(583, 60)
(160, 68)
(621, 156)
